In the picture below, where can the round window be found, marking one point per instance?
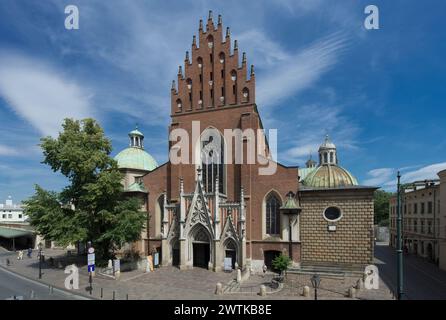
(332, 214)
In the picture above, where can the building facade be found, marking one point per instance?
(11, 212)
(210, 205)
(423, 218)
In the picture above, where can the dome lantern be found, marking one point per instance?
(136, 138)
(327, 153)
(135, 157)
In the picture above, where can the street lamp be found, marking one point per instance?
(315, 281)
(39, 246)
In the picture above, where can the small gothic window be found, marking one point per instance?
(245, 93)
(179, 105)
(332, 214)
(222, 57)
(272, 214)
(210, 42)
(189, 83)
(161, 207)
(200, 62)
(233, 75)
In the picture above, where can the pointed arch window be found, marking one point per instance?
(272, 214)
(212, 156)
(161, 210)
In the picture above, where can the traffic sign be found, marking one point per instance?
(91, 259)
(91, 250)
(91, 268)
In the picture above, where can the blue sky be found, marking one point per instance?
(378, 93)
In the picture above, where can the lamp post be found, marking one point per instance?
(399, 249)
(39, 246)
(315, 281)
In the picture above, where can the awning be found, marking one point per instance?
(14, 233)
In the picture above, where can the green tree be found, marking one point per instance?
(92, 206)
(281, 263)
(381, 207)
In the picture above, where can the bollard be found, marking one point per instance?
(262, 290)
(352, 293)
(113, 295)
(102, 293)
(32, 295)
(306, 291)
(219, 289)
(239, 275)
(360, 284)
(51, 289)
(127, 296)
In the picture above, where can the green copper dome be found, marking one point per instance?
(329, 176)
(135, 157)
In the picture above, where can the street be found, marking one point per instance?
(13, 285)
(422, 280)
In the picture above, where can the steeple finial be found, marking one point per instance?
(244, 57)
(180, 70)
(210, 15)
(220, 19)
(173, 85)
(228, 32)
(187, 56)
(200, 28)
(235, 45)
(194, 40)
(252, 70)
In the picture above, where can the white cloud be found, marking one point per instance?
(427, 172)
(40, 94)
(379, 176)
(386, 177)
(292, 73)
(8, 151)
(315, 122)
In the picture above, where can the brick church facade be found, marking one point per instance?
(202, 211)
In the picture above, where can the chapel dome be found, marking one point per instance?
(135, 157)
(328, 174)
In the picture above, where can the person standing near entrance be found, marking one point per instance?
(264, 268)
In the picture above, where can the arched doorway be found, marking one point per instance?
(269, 256)
(430, 252)
(175, 253)
(231, 251)
(201, 249)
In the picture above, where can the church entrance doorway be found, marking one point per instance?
(201, 255)
(201, 248)
(231, 252)
(270, 255)
(176, 254)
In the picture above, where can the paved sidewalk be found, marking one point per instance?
(167, 283)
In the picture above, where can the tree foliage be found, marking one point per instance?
(91, 207)
(281, 263)
(381, 207)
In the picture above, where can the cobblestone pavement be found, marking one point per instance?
(171, 283)
(423, 280)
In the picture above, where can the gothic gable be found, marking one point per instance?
(199, 212)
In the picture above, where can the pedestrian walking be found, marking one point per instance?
(30, 251)
(264, 268)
